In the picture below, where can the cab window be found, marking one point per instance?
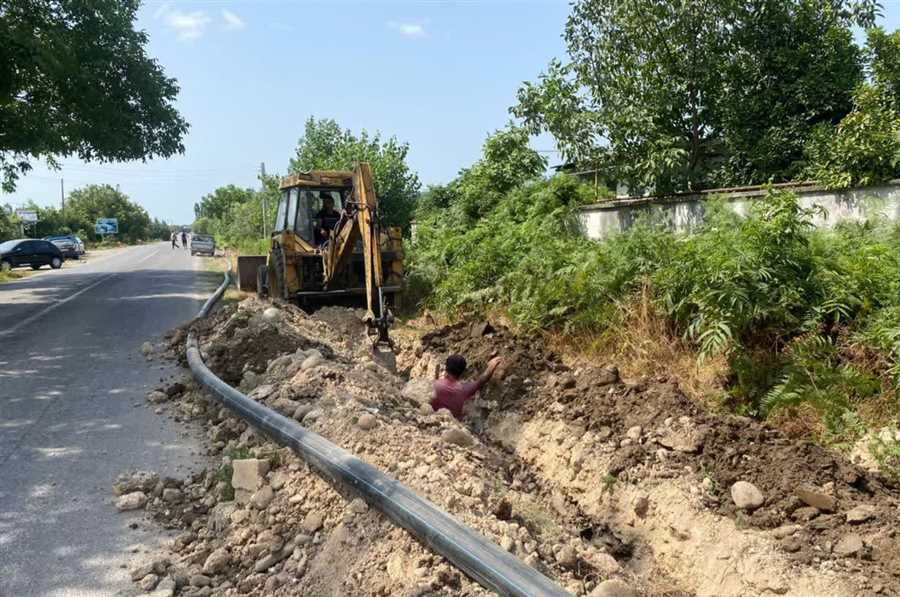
(292, 209)
(304, 217)
(281, 214)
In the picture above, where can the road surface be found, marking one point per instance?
(73, 415)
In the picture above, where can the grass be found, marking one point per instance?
(640, 343)
(221, 264)
(608, 484)
(539, 521)
(12, 275)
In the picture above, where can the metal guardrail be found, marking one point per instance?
(486, 563)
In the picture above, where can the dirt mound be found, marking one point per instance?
(290, 533)
(824, 511)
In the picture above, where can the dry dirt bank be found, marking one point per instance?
(610, 489)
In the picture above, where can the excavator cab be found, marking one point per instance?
(328, 248)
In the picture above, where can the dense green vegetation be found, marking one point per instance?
(673, 96)
(234, 216)
(803, 316)
(84, 207)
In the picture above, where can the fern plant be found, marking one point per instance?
(814, 375)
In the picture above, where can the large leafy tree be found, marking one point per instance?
(86, 205)
(326, 146)
(216, 204)
(792, 65)
(75, 80)
(864, 147)
(507, 161)
(678, 94)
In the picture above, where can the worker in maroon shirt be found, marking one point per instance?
(451, 393)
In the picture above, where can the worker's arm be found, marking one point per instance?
(486, 376)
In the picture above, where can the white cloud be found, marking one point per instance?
(186, 25)
(409, 29)
(232, 21)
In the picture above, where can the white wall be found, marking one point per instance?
(686, 212)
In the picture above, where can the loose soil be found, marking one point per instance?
(650, 434)
(579, 474)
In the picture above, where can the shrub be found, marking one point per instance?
(791, 307)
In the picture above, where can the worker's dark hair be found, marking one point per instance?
(456, 365)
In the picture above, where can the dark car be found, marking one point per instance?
(70, 245)
(30, 252)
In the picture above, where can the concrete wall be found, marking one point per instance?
(685, 212)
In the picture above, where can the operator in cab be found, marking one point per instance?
(326, 219)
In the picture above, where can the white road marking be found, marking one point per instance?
(51, 307)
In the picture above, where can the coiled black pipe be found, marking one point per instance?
(486, 563)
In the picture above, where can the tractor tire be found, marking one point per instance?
(262, 289)
(278, 266)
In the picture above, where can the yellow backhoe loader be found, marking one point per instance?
(327, 247)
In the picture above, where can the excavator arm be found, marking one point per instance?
(359, 220)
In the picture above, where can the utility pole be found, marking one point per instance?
(62, 195)
(265, 209)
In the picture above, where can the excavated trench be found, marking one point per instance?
(580, 475)
(654, 471)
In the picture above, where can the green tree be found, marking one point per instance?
(863, 149)
(235, 215)
(507, 162)
(88, 204)
(786, 73)
(325, 146)
(9, 224)
(75, 80)
(216, 204)
(675, 95)
(884, 58)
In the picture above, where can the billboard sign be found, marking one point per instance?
(106, 226)
(28, 216)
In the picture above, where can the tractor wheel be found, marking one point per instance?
(278, 265)
(262, 290)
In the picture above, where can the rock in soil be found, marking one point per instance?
(816, 499)
(457, 437)
(613, 588)
(131, 501)
(746, 496)
(861, 514)
(849, 545)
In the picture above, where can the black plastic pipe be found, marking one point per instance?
(491, 566)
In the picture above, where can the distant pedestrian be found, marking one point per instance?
(184, 239)
(174, 240)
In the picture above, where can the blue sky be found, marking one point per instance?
(438, 74)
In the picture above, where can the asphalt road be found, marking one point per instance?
(73, 415)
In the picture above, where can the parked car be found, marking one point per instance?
(203, 244)
(70, 245)
(31, 252)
